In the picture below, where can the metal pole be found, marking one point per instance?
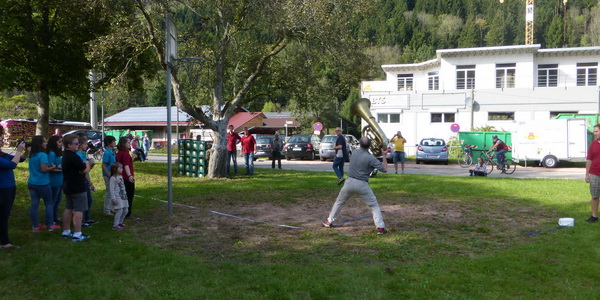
(102, 112)
(169, 172)
(93, 109)
(472, 109)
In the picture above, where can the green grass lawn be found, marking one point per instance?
(450, 238)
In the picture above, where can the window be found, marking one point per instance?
(501, 116)
(388, 118)
(405, 82)
(434, 81)
(547, 75)
(442, 117)
(505, 75)
(587, 74)
(465, 77)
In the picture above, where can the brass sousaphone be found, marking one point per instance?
(362, 108)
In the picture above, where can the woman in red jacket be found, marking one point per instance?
(124, 157)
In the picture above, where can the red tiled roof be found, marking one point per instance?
(238, 120)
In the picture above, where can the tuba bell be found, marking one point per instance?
(362, 108)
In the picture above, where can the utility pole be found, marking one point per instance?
(93, 108)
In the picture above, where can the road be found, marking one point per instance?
(412, 168)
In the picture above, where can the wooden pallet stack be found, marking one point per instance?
(15, 130)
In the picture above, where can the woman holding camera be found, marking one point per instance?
(39, 184)
(8, 187)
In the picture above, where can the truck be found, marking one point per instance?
(549, 142)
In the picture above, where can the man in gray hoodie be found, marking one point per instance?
(362, 164)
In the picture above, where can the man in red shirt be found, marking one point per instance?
(501, 149)
(592, 173)
(248, 147)
(232, 140)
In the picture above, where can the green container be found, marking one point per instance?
(482, 141)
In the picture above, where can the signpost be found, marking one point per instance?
(318, 126)
(286, 127)
(455, 128)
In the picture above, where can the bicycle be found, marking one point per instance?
(465, 160)
(509, 166)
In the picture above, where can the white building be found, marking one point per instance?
(490, 86)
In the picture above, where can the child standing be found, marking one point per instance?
(55, 153)
(82, 153)
(39, 184)
(479, 169)
(110, 143)
(118, 195)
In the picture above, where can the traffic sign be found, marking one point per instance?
(318, 126)
(454, 127)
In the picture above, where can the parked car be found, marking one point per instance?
(432, 149)
(264, 146)
(91, 134)
(301, 146)
(95, 143)
(326, 150)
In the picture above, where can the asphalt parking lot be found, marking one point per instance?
(453, 169)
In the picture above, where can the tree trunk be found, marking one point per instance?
(217, 167)
(43, 108)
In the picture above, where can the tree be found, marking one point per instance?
(238, 41)
(554, 35)
(593, 32)
(45, 50)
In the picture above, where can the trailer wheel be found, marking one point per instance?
(550, 161)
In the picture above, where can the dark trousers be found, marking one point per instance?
(130, 190)
(7, 198)
(275, 155)
(477, 173)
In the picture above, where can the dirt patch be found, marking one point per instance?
(263, 231)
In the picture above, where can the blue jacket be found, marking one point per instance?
(7, 175)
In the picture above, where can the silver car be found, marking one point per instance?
(326, 150)
(432, 149)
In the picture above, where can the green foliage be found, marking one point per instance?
(486, 128)
(17, 107)
(554, 35)
(269, 107)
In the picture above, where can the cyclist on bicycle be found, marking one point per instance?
(501, 147)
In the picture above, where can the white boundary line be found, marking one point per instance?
(226, 215)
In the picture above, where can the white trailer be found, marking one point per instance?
(550, 141)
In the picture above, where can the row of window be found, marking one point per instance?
(450, 117)
(587, 75)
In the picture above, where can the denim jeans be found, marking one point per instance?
(43, 192)
(249, 160)
(232, 155)
(338, 166)
(56, 200)
(500, 157)
(87, 215)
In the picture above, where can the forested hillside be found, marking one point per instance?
(415, 29)
(324, 81)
